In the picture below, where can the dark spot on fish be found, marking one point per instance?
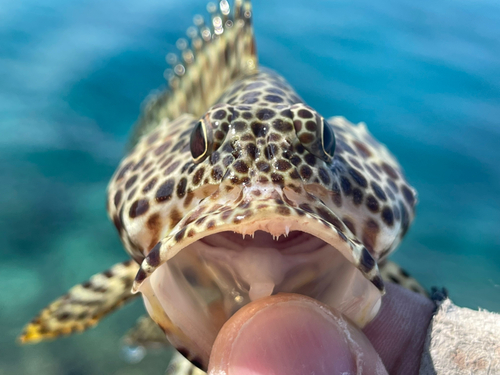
(405, 219)
(219, 115)
(282, 165)
(323, 176)
(180, 234)
(124, 170)
(378, 191)
(360, 180)
(118, 198)
(273, 99)
(151, 184)
(214, 157)
(378, 282)
(282, 126)
(141, 276)
(138, 208)
(217, 173)
(366, 262)
(258, 129)
(306, 172)
(306, 138)
(198, 176)
(165, 191)
(310, 159)
(131, 181)
(408, 194)
(357, 196)
(388, 216)
(240, 166)
(153, 258)
(345, 185)
(265, 114)
(390, 171)
(372, 203)
(304, 113)
(263, 166)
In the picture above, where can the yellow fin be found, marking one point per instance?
(84, 304)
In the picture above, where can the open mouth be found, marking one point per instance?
(199, 288)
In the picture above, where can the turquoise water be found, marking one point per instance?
(424, 76)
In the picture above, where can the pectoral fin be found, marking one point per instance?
(84, 304)
(393, 273)
(146, 333)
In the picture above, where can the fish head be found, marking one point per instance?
(259, 195)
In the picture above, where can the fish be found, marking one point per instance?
(235, 189)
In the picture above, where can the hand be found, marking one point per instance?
(292, 334)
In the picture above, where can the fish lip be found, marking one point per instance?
(270, 213)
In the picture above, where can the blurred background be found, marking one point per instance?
(424, 76)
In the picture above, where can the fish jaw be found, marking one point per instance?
(316, 257)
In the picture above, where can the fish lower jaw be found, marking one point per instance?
(204, 284)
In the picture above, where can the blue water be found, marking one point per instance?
(424, 76)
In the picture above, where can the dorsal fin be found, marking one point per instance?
(221, 51)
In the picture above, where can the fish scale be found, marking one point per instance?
(231, 147)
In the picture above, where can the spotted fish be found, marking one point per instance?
(235, 189)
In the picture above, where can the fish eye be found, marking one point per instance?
(209, 133)
(328, 138)
(199, 142)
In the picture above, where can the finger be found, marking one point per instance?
(291, 334)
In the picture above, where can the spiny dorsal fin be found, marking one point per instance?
(220, 51)
(84, 304)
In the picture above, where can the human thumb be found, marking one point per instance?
(292, 334)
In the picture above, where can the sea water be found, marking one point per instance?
(424, 76)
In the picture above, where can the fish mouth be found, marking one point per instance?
(209, 275)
